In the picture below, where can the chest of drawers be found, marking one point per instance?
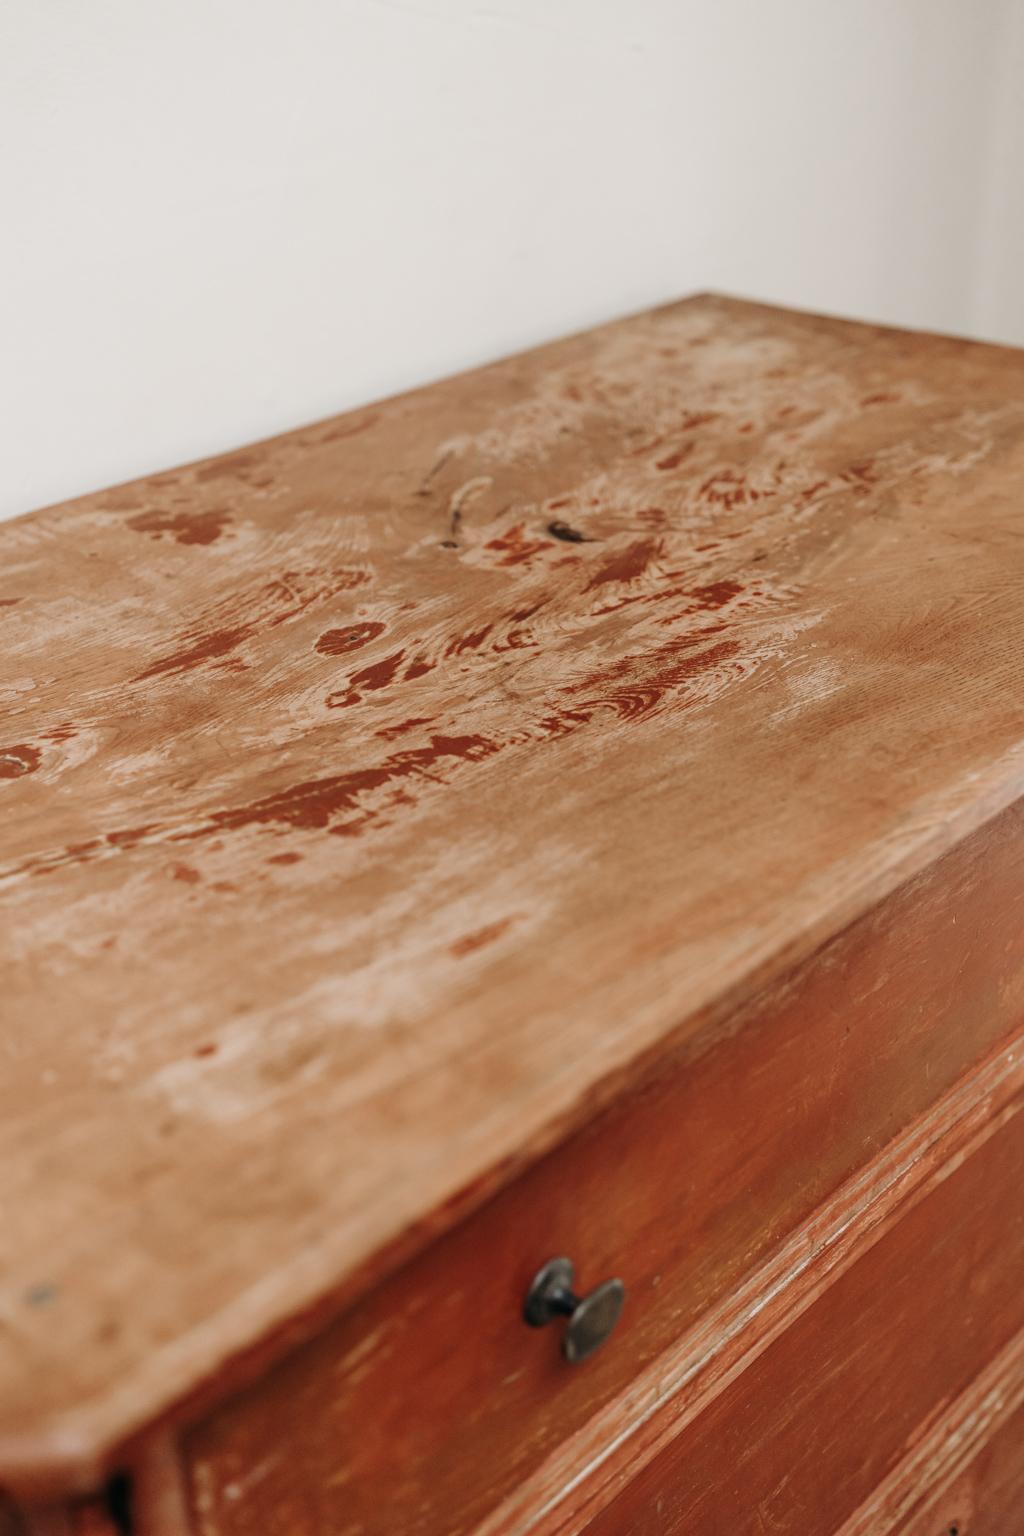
(569, 813)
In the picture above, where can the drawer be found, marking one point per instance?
(910, 1365)
(429, 1402)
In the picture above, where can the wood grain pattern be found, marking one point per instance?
(805, 1436)
(377, 800)
(429, 1403)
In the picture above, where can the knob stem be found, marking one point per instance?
(591, 1317)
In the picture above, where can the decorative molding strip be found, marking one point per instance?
(590, 1467)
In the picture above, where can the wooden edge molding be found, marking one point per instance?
(592, 1466)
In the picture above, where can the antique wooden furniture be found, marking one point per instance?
(572, 812)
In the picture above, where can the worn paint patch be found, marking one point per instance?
(336, 642)
(219, 642)
(183, 527)
(317, 803)
(626, 564)
(367, 680)
(516, 547)
(479, 938)
(15, 762)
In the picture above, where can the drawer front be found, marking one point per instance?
(429, 1402)
(865, 1405)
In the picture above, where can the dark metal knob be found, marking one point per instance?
(591, 1317)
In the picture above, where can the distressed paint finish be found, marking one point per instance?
(723, 1192)
(848, 1394)
(378, 801)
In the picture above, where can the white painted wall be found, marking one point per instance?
(221, 218)
(999, 287)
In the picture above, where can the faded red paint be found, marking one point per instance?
(673, 460)
(344, 579)
(387, 732)
(479, 938)
(522, 614)
(727, 488)
(691, 420)
(220, 642)
(129, 836)
(315, 803)
(15, 762)
(716, 593)
(380, 673)
(627, 564)
(638, 686)
(63, 732)
(468, 642)
(418, 668)
(516, 548)
(335, 642)
(183, 527)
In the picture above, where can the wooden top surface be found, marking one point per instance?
(373, 798)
